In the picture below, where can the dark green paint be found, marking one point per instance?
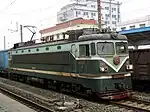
(61, 62)
(97, 85)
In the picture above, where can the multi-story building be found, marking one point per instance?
(87, 9)
(134, 23)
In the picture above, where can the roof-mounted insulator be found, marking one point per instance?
(114, 35)
(106, 30)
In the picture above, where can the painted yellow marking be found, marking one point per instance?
(91, 76)
(46, 72)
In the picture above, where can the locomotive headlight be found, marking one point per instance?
(103, 67)
(129, 66)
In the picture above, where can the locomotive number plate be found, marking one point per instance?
(117, 76)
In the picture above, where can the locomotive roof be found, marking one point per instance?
(83, 38)
(77, 36)
(103, 37)
(90, 34)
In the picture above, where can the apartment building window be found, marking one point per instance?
(93, 14)
(118, 10)
(51, 37)
(113, 22)
(123, 28)
(132, 27)
(57, 36)
(93, 6)
(78, 13)
(106, 8)
(107, 22)
(114, 29)
(142, 25)
(113, 9)
(118, 17)
(107, 15)
(85, 13)
(113, 16)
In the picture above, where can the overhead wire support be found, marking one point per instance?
(110, 13)
(99, 14)
(4, 43)
(28, 27)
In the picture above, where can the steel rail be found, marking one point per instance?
(133, 104)
(35, 106)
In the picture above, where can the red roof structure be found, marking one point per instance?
(68, 24)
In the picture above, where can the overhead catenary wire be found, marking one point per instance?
(9, 5)
(33, 11)
(127, 1)
(37, 10)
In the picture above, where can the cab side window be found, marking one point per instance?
(84, 50)
(93, 50)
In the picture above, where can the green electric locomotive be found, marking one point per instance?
(88, 62)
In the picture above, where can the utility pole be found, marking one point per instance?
(110, 14)
(4, 42)
(21, 33)
(99, 13)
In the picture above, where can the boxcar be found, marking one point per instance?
(3, 60)
(141, 70)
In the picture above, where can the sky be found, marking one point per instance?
(42, 14)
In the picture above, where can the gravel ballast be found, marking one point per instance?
(39, 94)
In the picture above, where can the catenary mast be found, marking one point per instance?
(99, 13)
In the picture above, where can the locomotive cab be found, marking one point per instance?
(106, 59)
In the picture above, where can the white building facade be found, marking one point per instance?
(135, 23)
(87, 9)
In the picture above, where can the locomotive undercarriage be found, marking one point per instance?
(49, 84)
(61, 86)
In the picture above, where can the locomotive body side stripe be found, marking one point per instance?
(89, 76)
(103, 59)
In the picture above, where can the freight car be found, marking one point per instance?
(87, 62)
(141, 71)
(3, 60)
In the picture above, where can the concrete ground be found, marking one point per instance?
(9, 105)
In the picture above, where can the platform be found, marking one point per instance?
(137, 36)
(9, 105)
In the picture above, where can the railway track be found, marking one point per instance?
(129, 104)
(25, 101)
(133, 104)
(38, 102)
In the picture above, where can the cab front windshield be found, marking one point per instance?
(105, 48)
(121, 48)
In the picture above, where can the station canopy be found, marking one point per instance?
(138, 36)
